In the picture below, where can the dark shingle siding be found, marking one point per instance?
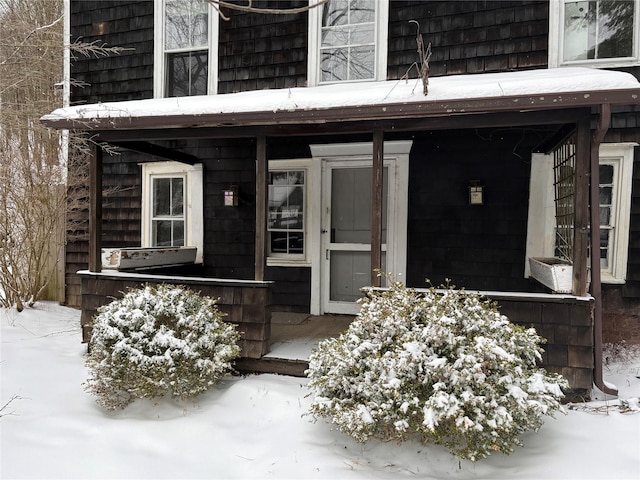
(263, 51)
(469, 36)
(126, 76)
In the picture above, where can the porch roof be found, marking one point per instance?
(531, 90)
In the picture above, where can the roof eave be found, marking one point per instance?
(374, 112)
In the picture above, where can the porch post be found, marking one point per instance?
(581, 208)
(261, 207)
(376, 206)
(95, 209)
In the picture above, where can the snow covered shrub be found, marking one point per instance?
(158, 340)
(443, 365)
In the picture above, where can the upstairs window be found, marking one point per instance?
(594, 32)
(186, 48)
(348, 41)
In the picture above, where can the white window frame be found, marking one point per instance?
(193, 201)
(541, 221)
(159, 58)
(381, 39)
(297, 260)
(556, 41)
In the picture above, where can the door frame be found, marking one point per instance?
(396, 156)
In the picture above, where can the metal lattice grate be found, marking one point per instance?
(564, 160)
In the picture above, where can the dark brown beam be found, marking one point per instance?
(495, 120)
(377, 179)
(95, 209)
(158, 151)
(581, 208)
(261, 207)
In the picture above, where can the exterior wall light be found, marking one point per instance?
(231, 196)
(476, 193)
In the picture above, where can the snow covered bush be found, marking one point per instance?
(443, 365)
(158, 340)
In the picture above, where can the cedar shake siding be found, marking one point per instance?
(475, 246)
(126, 76)
(469, 37)
(263, 51)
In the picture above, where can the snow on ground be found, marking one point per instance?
(254, 427)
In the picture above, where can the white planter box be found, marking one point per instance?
(129, 258)
(554, 273)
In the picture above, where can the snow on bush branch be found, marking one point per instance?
(443, 365)
(158, 340)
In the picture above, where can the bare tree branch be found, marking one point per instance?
(218, 4)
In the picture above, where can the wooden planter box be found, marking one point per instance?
(138, 258)
(554, 273)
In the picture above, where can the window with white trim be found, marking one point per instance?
(287, 218)
(616, 167)
(348, 41)
(186, 48)
(172, 205)
(598, 33)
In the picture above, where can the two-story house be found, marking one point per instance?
(297, 154)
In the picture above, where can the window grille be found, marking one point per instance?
(564, 160)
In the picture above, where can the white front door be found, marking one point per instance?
(341, 214)
(346, 232)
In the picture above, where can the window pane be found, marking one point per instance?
(362, 11)
(185, 24)
(333, 65)
(161, 196)
(177, 193)
(597, 29)
(178, 233)
(606, 174)
(161, 233)
(604, 248)
(187, 74)
(362, 63)
(335, 12)
(605, 215)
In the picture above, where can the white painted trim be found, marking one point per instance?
(158, 50)
(621, 156)
(396, 156)
(556, 41)
(194, 196)
(541, 218)
(382, 43)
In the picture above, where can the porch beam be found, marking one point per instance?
(158, 151)
(261, 208)
(376, 206)
(581, 207)
(495, 120)
(95, 209)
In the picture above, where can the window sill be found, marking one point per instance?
(140, 257)
(284, 262)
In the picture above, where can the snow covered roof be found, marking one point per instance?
(461, 94)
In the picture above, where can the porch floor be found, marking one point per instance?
(293, 337)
